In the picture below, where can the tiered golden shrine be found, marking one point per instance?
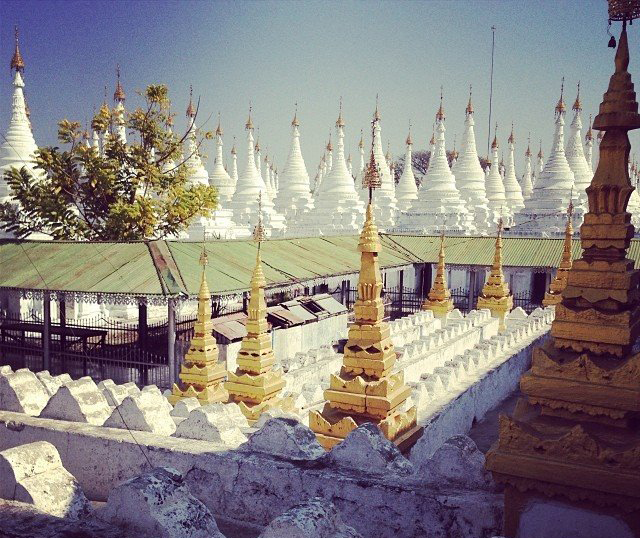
(559, 282)
(366, 390)
(255, 386)
(439, 297)
(574, 436)
(201, 375)
(495, 293)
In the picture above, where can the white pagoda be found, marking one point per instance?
(512, 190)
(439, 202)
(219, 177)
(337, 207)
(575, 155)
(545, 212)
(470, 178)
(407, 189)
(244, 202)
(294, 190)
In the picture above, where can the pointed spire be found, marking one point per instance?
(440, 114)
(439, 299)
(233, 148)
(17, 62)
(469, 109)
(589, 135)
(409, 141)
(528, 152)
(340, 121)
(376, 114)
(118, 95)
(191, 111)
(219, 131)
(540, 154)
(511, 139)
(559, 283)
(495, 294)
(361, 143)
(494, 144)
(577, 105)
(294, 121)
(560, 107)
(249, 125)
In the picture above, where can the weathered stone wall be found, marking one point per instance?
(256, 487)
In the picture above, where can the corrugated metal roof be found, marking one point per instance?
(162, 268)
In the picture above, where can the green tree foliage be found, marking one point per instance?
(138, 190)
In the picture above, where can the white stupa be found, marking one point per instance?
(470, 178)
(234, 164)
(244, 202)
(407, 190)
(294, 190)
(575, 155)
(588, 148)
(337, 207)
(439, 203)
(219, 178)
(545, 212)
(197, 173)
(527, 181)
(495, 187)
(385, 208)
(512, 190)
(18, 147)
(120, 130)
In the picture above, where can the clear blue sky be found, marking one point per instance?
(275, 53)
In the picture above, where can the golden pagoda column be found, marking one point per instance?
(439, 297)
(559, 282)
(255, 386)
(495, 293)
(201, 375)
(366, 390)
(574, 436)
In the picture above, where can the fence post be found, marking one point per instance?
(62, 315)
(143, 328)
(46, 331)
(171, 340)
(472, 289)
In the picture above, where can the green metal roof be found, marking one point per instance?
(169, 268)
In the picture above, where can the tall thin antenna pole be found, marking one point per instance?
(493, 47)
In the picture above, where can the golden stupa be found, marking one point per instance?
(201, 375)
(559, 282)
(574, 439)
(495, 293)
(439, 297)
(366, 390)
(255, 386)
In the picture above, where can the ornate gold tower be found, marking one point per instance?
(366, 390)
(255, 386)
(559, 282)
(574, 436)
(201, 375)
(439, 297)
(495, 293)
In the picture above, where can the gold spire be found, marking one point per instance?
(255, 386)
(540, 154)
(329, 144)
(249, 125)
(495, 294)
(371, 179)
(409, 140)
(17, 62)
(560, 108)
(528, 152)
(589, 135)
(440, 114)
(201, 376)
(511, 139)
(365, 389)
(439, 299)
(233, 148)
(340, 121)
(559, 283)
(191, 111)
(118, 95)
(294, 121)
(376, 114)
(361, 143)
(469, 109)
(577, 105)
(494, 144)
(219, 131)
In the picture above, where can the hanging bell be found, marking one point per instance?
(612, 42)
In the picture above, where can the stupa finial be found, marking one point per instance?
(577, 105)
(17, 62)
(249, 125)
(118, 95)
(469, 109)
(560, 107)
